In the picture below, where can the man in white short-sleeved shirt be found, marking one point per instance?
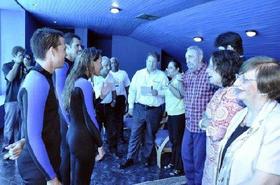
(122, 83)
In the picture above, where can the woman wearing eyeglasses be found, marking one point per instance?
(222, 107)
(250, 152)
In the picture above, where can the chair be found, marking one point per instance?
(162, 143)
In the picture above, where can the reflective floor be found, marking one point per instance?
(105, 172)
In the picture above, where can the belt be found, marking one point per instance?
(147, 107)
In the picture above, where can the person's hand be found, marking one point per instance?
(106, 89)
(18, 61)
(54, 181)
(179, 77)
(166, 72)
(154, 92)
(203, 123)
(126, 107)
(113, 104)
(15, 149)
(100, 154)
(130, 112)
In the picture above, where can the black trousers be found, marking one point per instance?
(176, 126)
(119, 113)
(107, 115)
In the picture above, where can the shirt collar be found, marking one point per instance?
(202, 67)
(70, 63)
(153, 72)
(41, 70)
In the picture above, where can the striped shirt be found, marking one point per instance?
(198, 92)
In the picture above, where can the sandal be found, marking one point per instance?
(169, 166)
(176, 173)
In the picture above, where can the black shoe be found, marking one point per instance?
(126, 164)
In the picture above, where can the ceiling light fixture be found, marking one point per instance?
(54, 22)
(197, 39)
(115, 10)
(251, 33)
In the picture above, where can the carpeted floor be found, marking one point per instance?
(167, 181)
(105, 172)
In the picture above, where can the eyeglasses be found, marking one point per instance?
(243, 78)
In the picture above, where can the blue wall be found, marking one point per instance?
(12, 34)
(103, 42)
(83, 34)
(131, 53)
(31, 24)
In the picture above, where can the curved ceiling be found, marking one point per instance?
(179, 21)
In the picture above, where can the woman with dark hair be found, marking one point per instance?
(250, 152)
(222, 68)
(230, 41)
(83, 134)
(174, 106)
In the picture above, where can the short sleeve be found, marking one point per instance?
(126, 79)
(6, 68)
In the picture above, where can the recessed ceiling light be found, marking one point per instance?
(251, 33)
(115, 10)
(197, 39)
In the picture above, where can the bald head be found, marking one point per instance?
(114, 64)
(105, 66)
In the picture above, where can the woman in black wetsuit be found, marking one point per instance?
(83, 134)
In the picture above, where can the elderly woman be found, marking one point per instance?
(222, 68)
(250, 152)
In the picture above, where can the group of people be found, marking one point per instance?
(61, 114)
(222, 116)
(231, 106)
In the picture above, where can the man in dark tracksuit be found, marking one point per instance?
(39, 160)
(73, 47)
